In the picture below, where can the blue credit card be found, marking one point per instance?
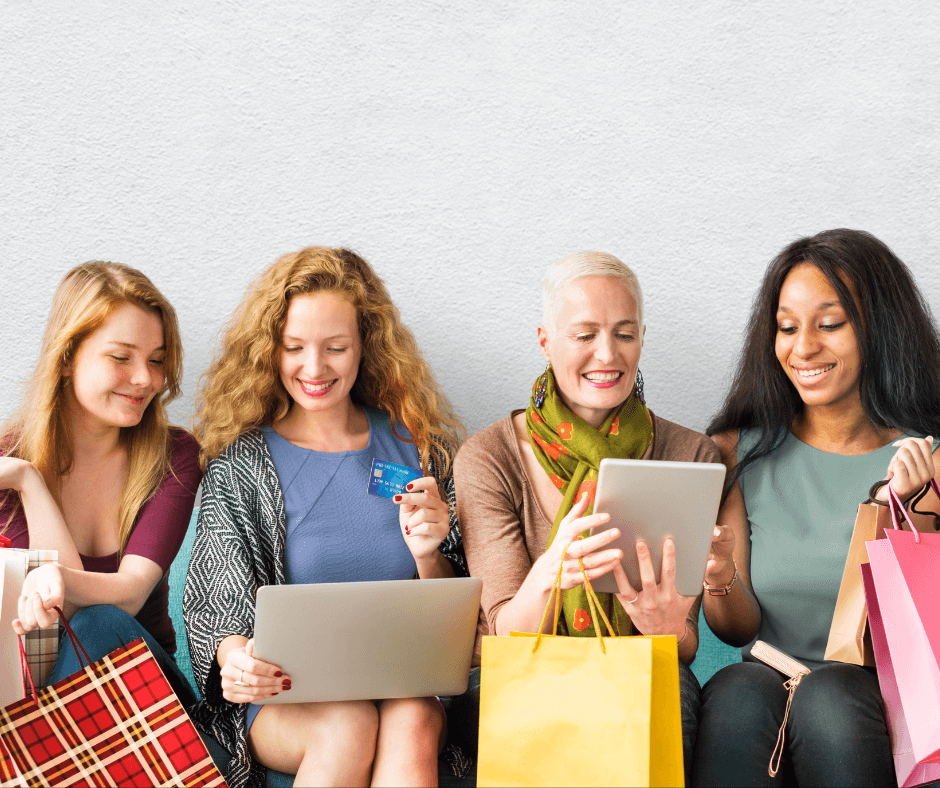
(388, 479)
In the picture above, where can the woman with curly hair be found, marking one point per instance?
(317, 376)
(92, 469)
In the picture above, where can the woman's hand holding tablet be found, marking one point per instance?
(653, 503)
(653, 605)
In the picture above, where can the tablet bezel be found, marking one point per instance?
(649, 500)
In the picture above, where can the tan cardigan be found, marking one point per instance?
(503, 527)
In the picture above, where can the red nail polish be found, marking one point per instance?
(397, 499)
(278, 674)
(409, 486)
(408, 531)
(286, 686)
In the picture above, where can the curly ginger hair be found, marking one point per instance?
(242, 389)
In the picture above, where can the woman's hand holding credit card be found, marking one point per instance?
(388, 479)
(424, 518)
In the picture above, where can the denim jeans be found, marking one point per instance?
(101, 629)
(463, 716)
(836, 732)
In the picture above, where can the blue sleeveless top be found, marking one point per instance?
(801, 505)
(336, 531)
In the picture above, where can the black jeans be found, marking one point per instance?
(835, 735)
(463, 716)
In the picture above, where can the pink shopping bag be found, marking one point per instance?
(909, 771)
(905, 571)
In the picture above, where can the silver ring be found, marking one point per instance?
(629, 601)
(241, 676)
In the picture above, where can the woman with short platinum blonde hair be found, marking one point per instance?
(525, 484)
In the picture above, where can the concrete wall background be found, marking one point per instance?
(462, 150)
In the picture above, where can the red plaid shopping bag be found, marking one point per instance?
(116, 722)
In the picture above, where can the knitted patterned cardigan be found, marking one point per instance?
(240, 539)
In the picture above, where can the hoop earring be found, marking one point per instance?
(542, 386)
(639, 386)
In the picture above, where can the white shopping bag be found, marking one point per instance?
(42, 645)
(13, 565)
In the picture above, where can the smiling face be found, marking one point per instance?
(320, 351)
(595, 347)
(816, 344)
(118, 369)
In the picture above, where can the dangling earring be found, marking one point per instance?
(542, 386)
(639, 386)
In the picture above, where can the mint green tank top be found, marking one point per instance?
(801, 505)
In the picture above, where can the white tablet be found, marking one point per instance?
(359, 641)
(650, 500)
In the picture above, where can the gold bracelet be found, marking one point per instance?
(722, 590)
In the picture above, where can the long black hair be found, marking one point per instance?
(899, 381)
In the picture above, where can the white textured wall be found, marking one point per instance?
(462, 150)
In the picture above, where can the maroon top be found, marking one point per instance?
(157, 535)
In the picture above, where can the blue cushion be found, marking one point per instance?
(178, 571)
(712, 654)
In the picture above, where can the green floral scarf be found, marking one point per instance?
(570, 451)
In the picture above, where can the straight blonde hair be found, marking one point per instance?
(40, 431)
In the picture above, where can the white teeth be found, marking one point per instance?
(812, 373)
(315, 387)
(603, 377)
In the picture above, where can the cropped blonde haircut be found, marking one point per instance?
(40, 432)
(243, 389)
(578, 265)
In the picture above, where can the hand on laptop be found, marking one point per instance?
(248, 680)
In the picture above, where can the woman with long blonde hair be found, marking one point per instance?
(316, 377)
(92, 469)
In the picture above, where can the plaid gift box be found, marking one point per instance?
(114, 723)
(42, 645)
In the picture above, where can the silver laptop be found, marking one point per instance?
(358, 641)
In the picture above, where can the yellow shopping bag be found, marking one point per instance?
(559, 711)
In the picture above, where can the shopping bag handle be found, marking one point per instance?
(594, 604)
(24, 669)
(895, 505)
(79, 653)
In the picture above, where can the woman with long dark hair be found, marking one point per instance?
(837, 387)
